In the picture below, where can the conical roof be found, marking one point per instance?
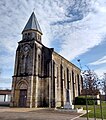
(32, 24)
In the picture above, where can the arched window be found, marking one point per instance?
(22, 65)
(73, 83)
(33, 35)
(78, 84)
(39, 64)
(29, 36)
(25, 36)
(67, 78)
(68, 87)
(26, 64)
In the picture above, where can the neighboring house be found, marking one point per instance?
(5, 96)
(42, 77)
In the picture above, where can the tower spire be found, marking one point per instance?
(32, 30)
(32, 24)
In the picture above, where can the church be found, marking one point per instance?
(42, 77)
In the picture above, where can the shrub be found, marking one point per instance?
(81, 100)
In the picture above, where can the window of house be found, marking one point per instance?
(2, 98)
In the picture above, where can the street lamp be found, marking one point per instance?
(83, 74)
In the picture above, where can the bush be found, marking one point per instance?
(81, 100)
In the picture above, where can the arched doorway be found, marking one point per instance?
(23, 95)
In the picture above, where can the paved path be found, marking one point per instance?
(37, 114)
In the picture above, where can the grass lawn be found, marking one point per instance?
(98, 112)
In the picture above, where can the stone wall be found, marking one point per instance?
(67, 77)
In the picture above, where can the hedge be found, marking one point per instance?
(81, 100)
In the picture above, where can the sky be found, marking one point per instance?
(76, 29)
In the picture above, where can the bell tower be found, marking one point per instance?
(32, 30)
(28, 53)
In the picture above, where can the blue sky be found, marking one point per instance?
(76, 29)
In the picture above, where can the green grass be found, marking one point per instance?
(98, 111)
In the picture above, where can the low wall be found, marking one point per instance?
(4, 103)
(103, 97)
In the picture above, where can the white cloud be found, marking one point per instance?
(76, 37)
(100, 71)
(100, 61)
(84, 34)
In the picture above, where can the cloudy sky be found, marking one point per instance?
(74, 28)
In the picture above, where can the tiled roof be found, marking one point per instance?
(5, 92)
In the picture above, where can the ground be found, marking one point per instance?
(97, 110)
(37, 114)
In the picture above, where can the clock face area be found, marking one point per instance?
(26, 48)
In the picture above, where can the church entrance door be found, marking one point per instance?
(23, 98)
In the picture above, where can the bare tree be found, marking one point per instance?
(90, 81)
(103, 85)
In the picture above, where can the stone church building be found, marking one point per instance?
(42, 77)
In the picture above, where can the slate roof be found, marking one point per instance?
(32, 24)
